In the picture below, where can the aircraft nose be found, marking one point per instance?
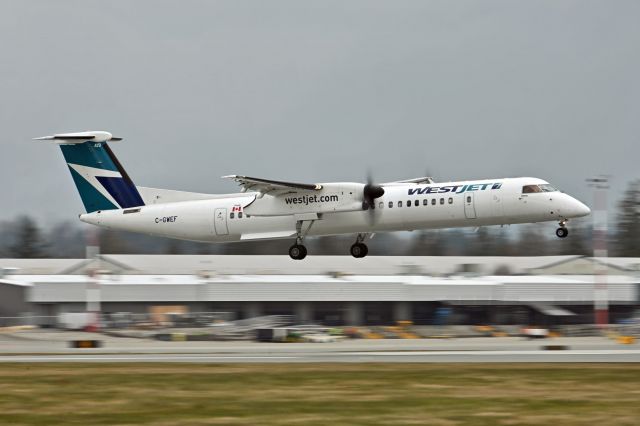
(580, 209)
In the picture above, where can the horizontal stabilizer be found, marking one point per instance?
(80, 137)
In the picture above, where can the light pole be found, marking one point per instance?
(93, 280)
(600, 185)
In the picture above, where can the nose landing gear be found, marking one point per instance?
(562, 232)
(359, 249)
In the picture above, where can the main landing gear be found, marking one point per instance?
(359, 249)
(562, 232)
(297, 251)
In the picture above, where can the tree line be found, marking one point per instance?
(23, 237)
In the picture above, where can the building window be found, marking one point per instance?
(425, 202)
(232, 215)
(441, 200)
(390, 204)
(433, 201)
(450, 200)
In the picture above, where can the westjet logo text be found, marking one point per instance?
(311, 199)
(456, 189)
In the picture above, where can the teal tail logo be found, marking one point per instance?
(101, 180)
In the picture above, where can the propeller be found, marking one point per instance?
(370, 192)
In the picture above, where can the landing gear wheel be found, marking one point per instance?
(562, 232)
(359, 250)
(298, 251)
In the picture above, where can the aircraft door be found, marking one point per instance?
(469, 206)
(496, 209)
(220, 221)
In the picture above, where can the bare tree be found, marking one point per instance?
(28, 240)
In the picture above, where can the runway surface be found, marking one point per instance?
(53, 346)
(630, 355)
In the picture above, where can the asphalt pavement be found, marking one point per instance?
(53, 346)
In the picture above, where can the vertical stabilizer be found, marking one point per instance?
(101, 180)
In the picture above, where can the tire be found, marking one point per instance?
(297, 252)
(359, 250)
(562, 232)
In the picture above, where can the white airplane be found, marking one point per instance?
(269, 209)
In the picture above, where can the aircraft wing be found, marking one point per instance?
(265, 186)
(418, 181)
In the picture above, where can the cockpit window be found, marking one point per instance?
(530, 189)
(548, 188)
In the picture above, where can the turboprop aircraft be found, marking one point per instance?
(269, 209)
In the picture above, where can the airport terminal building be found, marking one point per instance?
(329, 290)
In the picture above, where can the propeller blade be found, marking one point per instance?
(370, 192)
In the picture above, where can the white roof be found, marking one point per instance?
(371, 265)
(185, 288)
(312, 265)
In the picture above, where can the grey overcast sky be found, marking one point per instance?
(318, 91)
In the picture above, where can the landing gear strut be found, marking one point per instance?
(562, 232)
(359, 249)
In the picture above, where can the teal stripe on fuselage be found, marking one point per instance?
(91, 198)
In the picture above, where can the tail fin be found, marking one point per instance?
(101, 180)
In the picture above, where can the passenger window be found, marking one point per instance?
(425, 202)
(441, 200)
(239, 215)
(409, 203)
(390, 204)
(450, 200)
(416, 203)
(399, 203)
(469, 199)
(232, 215)
(381, 204)
(433, 201)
